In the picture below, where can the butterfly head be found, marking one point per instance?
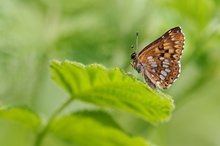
(133, 56)
(135, 63)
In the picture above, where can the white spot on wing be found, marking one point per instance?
(158, 83)
(150, 58)
(166, 62)
(167, 70)
(178, 75)
(163, 73)
(162, 77)
(166, 66)
(169, 86)
(153, 65)
(161, 58)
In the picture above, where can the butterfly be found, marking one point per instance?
(159, 62)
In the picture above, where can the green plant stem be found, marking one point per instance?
(44, 131)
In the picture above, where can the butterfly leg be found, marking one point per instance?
(151, 84)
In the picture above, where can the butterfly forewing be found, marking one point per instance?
(161, 58)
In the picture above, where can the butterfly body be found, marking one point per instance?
(159, 62)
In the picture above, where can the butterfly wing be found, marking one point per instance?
(161, 58)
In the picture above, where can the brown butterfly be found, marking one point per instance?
(159, 62)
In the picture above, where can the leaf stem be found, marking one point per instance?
(44, 131)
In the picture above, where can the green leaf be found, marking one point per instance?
(101, 116)
(85, 131)
(112, 88)
(21, 115)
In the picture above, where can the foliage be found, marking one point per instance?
(105, 88)
(21, 115)
(32, 32)
(111, 88)
(87, 131)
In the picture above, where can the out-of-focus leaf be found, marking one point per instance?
(84, 131)
(21, 115)
(101, 116)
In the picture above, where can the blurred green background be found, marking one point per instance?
(32, 32)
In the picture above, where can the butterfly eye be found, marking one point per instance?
(133, 55)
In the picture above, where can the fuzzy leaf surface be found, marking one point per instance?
(112, 88)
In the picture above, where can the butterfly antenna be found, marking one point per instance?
(136, 41)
